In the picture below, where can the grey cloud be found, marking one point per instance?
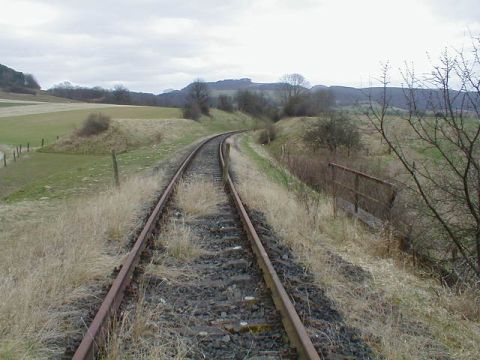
(106, 42)
(455, 10)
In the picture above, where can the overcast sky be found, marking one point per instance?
(152, 45)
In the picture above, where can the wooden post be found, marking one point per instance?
(4, 160)
(28, 147)
(43, 142)
(115, 169)
(14, 156)
(20, 149)
(357, 183)
(227, 163)
(334, 192)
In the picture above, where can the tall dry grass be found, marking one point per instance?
(179, 241)
(54, 259)
(401, 315)
(198, 196)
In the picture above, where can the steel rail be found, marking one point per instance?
(290, 319)
(94, 336)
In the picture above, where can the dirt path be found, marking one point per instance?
(42, 108)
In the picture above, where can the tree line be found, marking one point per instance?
(293, 99)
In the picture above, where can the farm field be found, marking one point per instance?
(148, 133)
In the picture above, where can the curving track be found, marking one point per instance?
(237, 307)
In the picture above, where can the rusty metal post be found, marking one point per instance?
(357, 184)
(115, 169)
(334, 191)
(226, 165)
(391, 201)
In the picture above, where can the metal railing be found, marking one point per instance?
(385, 202)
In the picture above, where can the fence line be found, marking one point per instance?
(385, 204)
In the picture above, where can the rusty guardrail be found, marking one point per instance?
(291, 321)
(356, 191)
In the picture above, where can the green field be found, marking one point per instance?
(7, 104)
(17, 130)
(55, 174)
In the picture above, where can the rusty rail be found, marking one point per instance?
(94, 336)
(291, 321)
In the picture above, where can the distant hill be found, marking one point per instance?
(221, 87)
(344, 96)
(17, 82)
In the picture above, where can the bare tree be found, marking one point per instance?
(293, 85)
(445, 121)
(225, 103)
(197, 101)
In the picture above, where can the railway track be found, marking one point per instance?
(237, 306)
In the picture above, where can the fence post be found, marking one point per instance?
(4, 160)
(20, 149)
(115, 169)
(334, 190)
(391, 201)
(28, 147)
(14, 156)
(357, 184)
(227, 162)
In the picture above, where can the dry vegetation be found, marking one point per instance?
(179, 242)
(400, 313)
(54, 259)
(124, 134)
(197, 197)
(43, 108)
(139, 334)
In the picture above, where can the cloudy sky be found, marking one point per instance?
(152, 45)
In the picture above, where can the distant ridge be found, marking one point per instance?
(16, 81)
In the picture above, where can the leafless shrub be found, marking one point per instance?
(447, 124)
(267, 135)
(94, 124)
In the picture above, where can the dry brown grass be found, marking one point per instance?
(137, 336)
(43, 108)
(400, 315)
(198, 197)
(52, 257)
(179, 241)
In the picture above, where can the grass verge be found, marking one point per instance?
(55, 259)
(400, 315)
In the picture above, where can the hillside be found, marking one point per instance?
(16, 81)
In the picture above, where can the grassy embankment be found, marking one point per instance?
(401, 314)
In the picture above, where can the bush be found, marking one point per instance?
(94, 124)
(192, 111)
(267, 135)
(20, 90)
(225, 103)
(336, 130)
